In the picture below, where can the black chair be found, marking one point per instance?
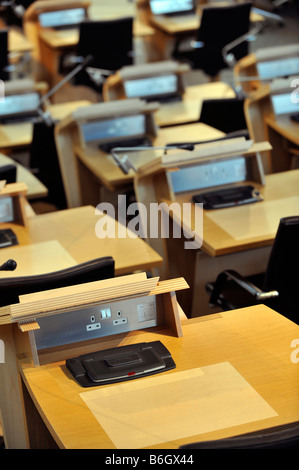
(44, 163)
(8, 173)
(95, 270)
(280, 438)
(4, 74)
(109, 42)
(276, 288)
(226, 115)
(219, 26)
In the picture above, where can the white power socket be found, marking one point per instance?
(93, 326)
(120, 321)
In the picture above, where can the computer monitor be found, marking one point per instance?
(171, 7)
(152, 87)
(284, 104)
(115, 129)
(61, 18)
(283, 67)
(20, 105)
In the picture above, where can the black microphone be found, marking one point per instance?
(9, 265)
(45, 116)
(229, 135)
(125, 164)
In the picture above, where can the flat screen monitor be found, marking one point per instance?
(6, 209)
(112, 130)
(19, 105)
(161, 86)
(168, 7)
(284, 104)
(70, 17)
(278, 68)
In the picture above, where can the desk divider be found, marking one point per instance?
(146, 303)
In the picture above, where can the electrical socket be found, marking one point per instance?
(120, 321)
(93, 326)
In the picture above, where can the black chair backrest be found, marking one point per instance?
(221, 25)
(284, 437)
(95, 270)
(4, 75)
(282, 269)
(8, 173)
(110, 42)
(226, 114)
(44, 159)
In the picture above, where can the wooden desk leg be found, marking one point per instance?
(11, 405)
(207, 268)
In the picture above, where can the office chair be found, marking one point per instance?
(219, 26)
(44, 163)
(4, 74)
(94, 270)
(109, 42)
(276, 288)
(8, 173)
(226, 115)
(281, 437)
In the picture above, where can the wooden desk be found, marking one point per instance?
(96, 168)
(237, 238)
(53, 43)
(17, 42)
(16, 136)
(259, 353)
(169, 28)
(186, 110)
(75, 230)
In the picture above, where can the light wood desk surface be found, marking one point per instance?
(111, 176)
(255, 341)
(64, 39)
(13, 136)
(278, 187)
(17, 42)
(182, 25)
(189, 109)
(74, 229)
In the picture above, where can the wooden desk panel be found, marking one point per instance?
(262, 356)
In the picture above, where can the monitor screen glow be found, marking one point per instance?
(151, 86)
(283, 104)
(19, 104)
(50, 19)
(278, 68)
(114, 129)
(163, 7)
